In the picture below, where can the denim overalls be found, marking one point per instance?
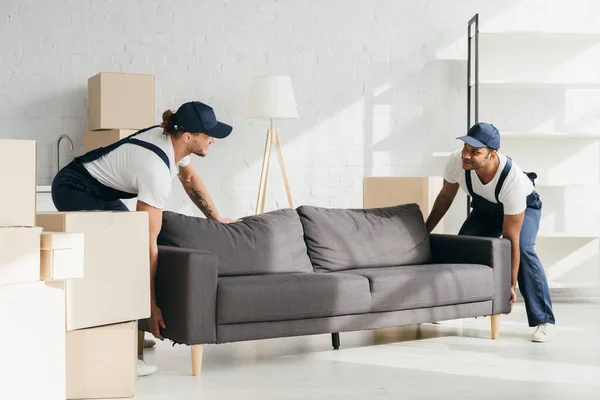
(74, 189)
(486, 219)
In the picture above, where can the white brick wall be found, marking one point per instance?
(370, 77)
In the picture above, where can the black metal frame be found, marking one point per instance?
(335, 340)
(473, 22)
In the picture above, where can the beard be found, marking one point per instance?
(201, 152)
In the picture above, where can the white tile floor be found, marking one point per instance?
(452, 360)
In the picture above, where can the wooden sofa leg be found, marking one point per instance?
(335, 340)
(197, 350)
(495, 326)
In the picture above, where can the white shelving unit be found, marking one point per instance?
(542, 91)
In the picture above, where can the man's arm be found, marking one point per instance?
(511, 230)
(197, 191)
(155, 220)
(441, 205)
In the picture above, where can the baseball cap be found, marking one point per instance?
(482, 135)
(197, 117)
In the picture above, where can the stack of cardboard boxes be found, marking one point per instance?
(73, 284)
(387, 191)
(119, 104)
(102, 308)
(35, 269)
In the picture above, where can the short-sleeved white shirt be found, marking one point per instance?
(513, 194)
(134, 169)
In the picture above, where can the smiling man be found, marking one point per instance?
(143, 165)
(504, 203)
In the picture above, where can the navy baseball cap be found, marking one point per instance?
(197, 117)
(482, 135)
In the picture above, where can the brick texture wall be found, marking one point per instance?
(380, 84)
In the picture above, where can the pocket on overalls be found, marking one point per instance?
(534, 201)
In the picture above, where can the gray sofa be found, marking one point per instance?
(314, 270)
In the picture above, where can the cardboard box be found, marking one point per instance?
(385, 191)
(18, 172)
(102, 362)
(19, 255)
(116, 283)
(32, 341)
(121, 101)
(96, 139)
(61, 256)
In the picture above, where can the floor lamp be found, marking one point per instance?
(271, 97)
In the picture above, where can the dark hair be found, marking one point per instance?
(169, 124)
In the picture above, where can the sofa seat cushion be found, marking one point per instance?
(430, 285)
(344, 239)
(267, 243)
(279, 297)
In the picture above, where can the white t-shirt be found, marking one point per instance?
(513, 194)
(134, 169)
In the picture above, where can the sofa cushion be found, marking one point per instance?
(341, 239)
(431, 285)
(267, 243)
(290, 297)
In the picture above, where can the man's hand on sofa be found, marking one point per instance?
(513, 297)
(156, 322)
(228, 220)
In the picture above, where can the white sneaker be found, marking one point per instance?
(544, 333)
(149, 343)
(144, 368)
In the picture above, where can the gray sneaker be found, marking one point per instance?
(544, 333)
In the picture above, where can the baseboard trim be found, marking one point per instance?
(591, 294)
(575, 294)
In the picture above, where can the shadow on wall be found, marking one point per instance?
(339, 67)
(406, 101)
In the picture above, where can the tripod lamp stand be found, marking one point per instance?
(271, 97)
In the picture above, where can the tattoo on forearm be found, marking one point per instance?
(200, 200)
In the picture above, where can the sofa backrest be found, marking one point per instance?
(341, 239)
(267, 243)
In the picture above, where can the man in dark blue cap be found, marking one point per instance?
(143, 165)
(504, 203)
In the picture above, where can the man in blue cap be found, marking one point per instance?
(504, 203)
(143, 165)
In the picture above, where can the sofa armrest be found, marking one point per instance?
(186, 292)
(494, 252)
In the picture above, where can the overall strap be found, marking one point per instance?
(503, 176)
(469, 183)
(99, 152)
(152, 147)
(147, 145)
(142, 131)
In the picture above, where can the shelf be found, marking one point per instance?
(540, 35)
(551, 135)
(536, 85)
(43, 189)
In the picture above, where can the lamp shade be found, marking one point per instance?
(271, 97)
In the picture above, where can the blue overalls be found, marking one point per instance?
(486, 219)
(74, 189)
